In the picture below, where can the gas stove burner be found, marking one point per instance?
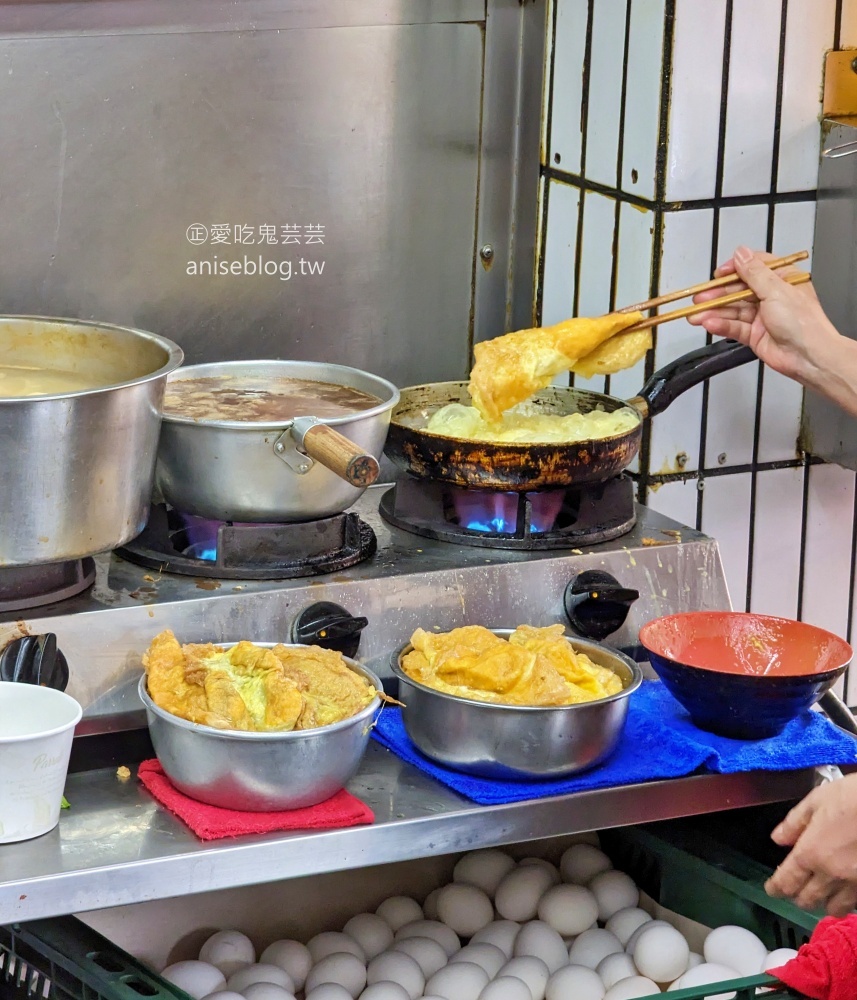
(553, 519)
(193, 546)
(25, 587)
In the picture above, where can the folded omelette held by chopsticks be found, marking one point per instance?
(509, 369)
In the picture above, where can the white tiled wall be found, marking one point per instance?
(694, 107)
(740, 106)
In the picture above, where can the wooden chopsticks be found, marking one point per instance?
(797, 278)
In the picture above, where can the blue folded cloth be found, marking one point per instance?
(659, 741)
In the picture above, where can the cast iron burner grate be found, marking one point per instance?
(554, 519)
(192, 546)
(36, 586)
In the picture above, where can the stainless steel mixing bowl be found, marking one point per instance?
(512, 742)
(260, 772)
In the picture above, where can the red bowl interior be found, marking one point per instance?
(734, 642)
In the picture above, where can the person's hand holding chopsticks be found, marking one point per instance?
(785, 326)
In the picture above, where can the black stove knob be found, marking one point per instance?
(597, 604)
(330, 626)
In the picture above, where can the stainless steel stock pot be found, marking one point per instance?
(78, 467)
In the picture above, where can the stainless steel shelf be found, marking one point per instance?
(117, 846)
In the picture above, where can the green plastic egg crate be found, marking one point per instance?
(714, 885)
(64, 959)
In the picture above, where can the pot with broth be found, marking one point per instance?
(21, 381)
(230, 448)
(80, 410)
(261, 399)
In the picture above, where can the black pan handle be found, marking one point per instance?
(838, 712)
(669, 382)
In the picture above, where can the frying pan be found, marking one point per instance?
(526, 467)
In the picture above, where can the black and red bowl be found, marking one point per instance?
(743, 675)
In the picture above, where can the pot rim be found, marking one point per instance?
(636, 680)
(280, 425)
(175, 356)
(276, 737)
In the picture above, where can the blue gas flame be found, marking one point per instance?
(493, 526)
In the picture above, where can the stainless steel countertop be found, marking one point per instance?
(116, 846)
(122, 584)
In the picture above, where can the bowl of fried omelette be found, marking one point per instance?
(257, 726)
(514, 704)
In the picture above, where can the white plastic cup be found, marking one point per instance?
(36, 733)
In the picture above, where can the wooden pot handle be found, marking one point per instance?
(335, 452)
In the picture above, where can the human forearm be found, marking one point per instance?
(831, 370)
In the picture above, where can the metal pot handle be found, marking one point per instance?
(334, 451)
(669, 382)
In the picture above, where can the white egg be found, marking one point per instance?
(384, 991)
(569, 909)
(736, 948)
(518, 895)
(228, 951)
(693, 960)
(426, 952)
(614, 891)
(615, 968)
(430, 904)
(625, 922)
(635, 937)
(500, 933)
(261, 973)
(266, 991)
(778, 958)
(196, 978)
(538, 940)
(343, 968)
(397, 967)
(574, 981)
(661, 953)
(587, 837)
(434, 929)
(484, 869)
(332, 943)
(227, 995)
(399, 910)
(582, 862)
(704, 975)
(371, 932)
(592, 946)
(462, 981)
(506, 988)
(632, 988)
(545, 865)
(532, 971)
(464, 908)
(329, 991)
(292, 957)
(488, 956)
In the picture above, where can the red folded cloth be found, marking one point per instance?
(214, 823)
(825, 967)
